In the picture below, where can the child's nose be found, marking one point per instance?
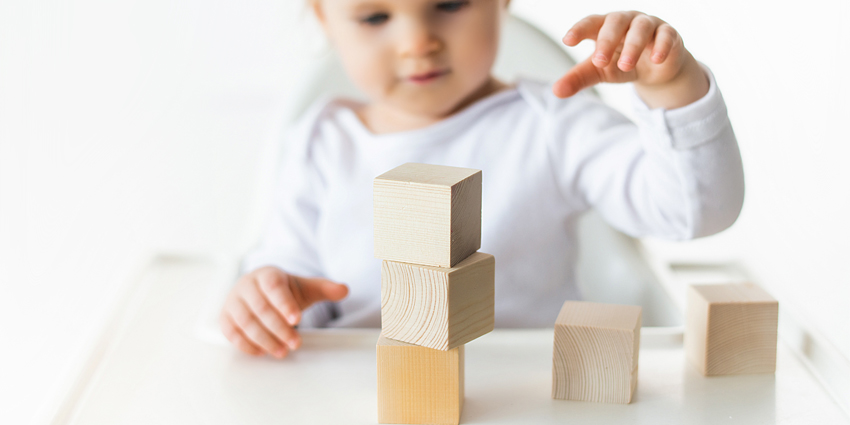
(417, 39)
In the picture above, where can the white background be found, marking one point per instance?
(129, 127)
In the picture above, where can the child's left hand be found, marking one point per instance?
(635, 47)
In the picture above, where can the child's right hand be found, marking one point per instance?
(263, 307)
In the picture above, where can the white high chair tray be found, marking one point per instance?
(152, 368)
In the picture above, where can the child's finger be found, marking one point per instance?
(270, 317)
(251, 327)
(640, 33)
(581, 76)
(235, 336)
(278, 290)
(315, 289)
(586, 28)
(665, 39)
(610, 37)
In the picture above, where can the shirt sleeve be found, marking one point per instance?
(675, 174)
(289, 237)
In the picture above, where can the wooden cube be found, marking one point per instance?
(436, 307)
(731, 329)
(596, 352)
(427, 214)
(419, 385)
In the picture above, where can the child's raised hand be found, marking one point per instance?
(635, 47)
(263, 307)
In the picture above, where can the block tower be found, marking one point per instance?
(437, 291)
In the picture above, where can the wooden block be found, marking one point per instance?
(419, 385)
(427, 214)
(596, 352)
(435, 307)
(731, 329)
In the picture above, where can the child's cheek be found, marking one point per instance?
(369, 70)
(477, 45)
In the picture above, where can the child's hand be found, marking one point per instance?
(634, 47)
(264, 305)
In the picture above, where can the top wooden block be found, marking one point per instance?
(427, 214)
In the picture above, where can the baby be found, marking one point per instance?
(548, 154)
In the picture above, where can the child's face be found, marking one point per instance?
(423, 56)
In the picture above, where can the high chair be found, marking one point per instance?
(162, 359)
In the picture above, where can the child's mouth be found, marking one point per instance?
(427, 77)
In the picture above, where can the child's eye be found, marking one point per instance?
(375, 19)
(452, 6)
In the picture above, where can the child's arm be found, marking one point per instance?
(263, 307)
(634, 47)
(676, 172)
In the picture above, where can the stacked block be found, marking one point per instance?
(596, 352)
(427, 214)
(439, 308)
(731, 329)
(437, 291)
(417, 384)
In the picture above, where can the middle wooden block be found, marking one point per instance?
(427, 214)
(435, 307)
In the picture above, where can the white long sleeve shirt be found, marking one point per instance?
(674, 174)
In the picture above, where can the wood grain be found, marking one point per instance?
(419, 385)
(435, 307)
(731, 329)
(596, 352)
(427, 214)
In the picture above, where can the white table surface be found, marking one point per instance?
(154, 369)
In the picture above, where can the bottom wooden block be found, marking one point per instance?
(418, 385)
(596, 352)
